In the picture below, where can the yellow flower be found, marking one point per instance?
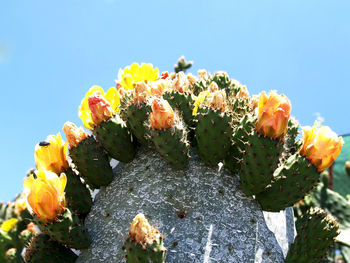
(52, 156)
(162, 115)
(130, 75)
(273, 115)
(199, 100)
(9, 224)
(84, 111)
(74, 134)
(46, 194)
(321, 146)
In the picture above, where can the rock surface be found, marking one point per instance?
(202, 212)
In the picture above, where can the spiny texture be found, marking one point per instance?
(116, 139)
(316, 234)
(77, 195)
(145, 253)
(92, 162)
(136, 115)
(292, 181)
(172, 145)
(213, 135)
(43, 249)
(259, 161)
(66, 229)
(291, 145)
(240, 136)
(181, 102)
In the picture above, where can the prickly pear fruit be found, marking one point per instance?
(144, 243)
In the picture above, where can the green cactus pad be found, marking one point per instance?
(316, 233)
(222, 80)
(213, 135)
(92, 162)
(172, 145)
(116, 139)
(199, 86)
(149, 253)
(240, 136)
(25, 236)
(136, 116)
(6, 243)
(42, 249)
(292, 181)
(78, 196)
(182, 103)
(13, 256)
(260, 160)
(291, 145)
(66, 229)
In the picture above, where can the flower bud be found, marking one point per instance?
(321, 146)
(273, 115)
(74, 134)
(100, 108)
(162, 116)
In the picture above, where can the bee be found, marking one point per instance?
(44, 143)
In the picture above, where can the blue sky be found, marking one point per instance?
(51, 52)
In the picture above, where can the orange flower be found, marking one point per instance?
(100, 108)
(74, 134)
(46, 194)
(273, 115)
(321, 146)
(162, 116)
(142, 90)
(219, 100)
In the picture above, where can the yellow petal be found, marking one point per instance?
(112, 95)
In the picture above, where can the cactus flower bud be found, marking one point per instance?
(162, 116)
(142, 90)
(74, 134)
(141, 231)
(219, 100)
(243, 93)
(321, 146)
(46, 194)
(181, 83)
(273, 115)
(158, 87)
(31, 228)
(100, 108)
(51, 155)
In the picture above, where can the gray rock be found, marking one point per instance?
(202, 212)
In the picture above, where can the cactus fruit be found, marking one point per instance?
(169, 134)
(88, 156)
(109, 129)
(144, 243)
(78, 196)
(292, 181)
(316, 233)
(13, 256)
(259, 161)
(66, 229)
(44, 250)
(116, 139)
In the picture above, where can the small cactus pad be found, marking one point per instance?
(316, 233)
(213, 134)
(66, 229)
(172, 144)
(42, 249)
(145, 243)
(78, 196)
(292, 181)
(259, 161)
(92, 162)
(116, 139)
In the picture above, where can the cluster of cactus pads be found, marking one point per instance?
(253, 137)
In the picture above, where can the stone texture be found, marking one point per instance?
(202, 212)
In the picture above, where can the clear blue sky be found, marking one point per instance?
(51, 52)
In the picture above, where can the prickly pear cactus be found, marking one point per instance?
(201, 211)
